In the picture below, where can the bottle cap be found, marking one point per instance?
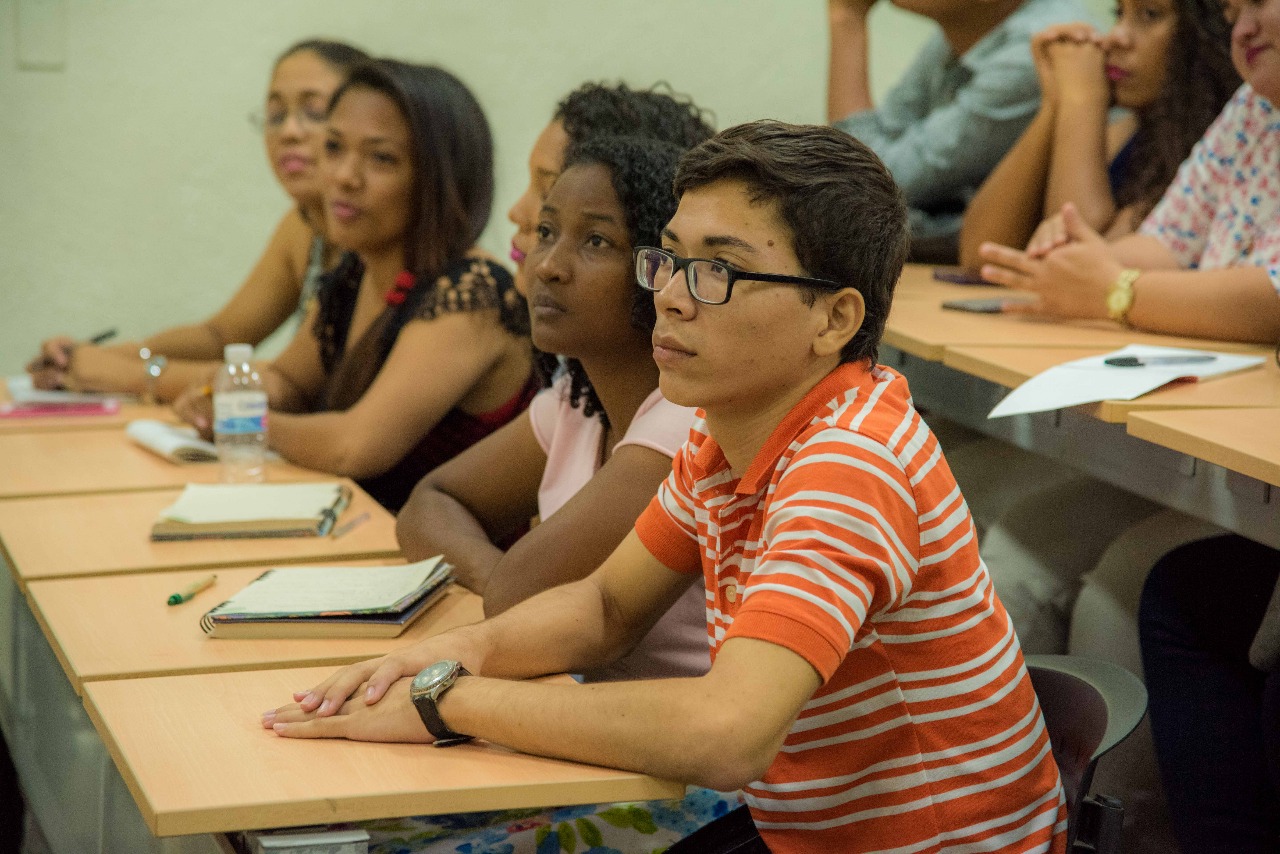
(237, 354)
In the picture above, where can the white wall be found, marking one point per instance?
(133, 192)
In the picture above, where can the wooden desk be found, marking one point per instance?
(197, 761)
(114, 627)
(84, 461)
(65, 536)
(1012, 366)
(1242, 440)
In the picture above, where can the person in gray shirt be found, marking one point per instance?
(963, 102)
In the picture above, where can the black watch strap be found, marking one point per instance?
(430, 714)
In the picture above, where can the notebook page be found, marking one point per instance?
(304, 590)
(251, 502)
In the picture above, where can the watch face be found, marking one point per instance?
(432, 676)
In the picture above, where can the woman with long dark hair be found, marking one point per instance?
(282, 283)
(417, 346)
(1167, 62)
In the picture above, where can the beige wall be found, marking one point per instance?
(134, 193)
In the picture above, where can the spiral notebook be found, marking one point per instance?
(331, 601)
(219, 511)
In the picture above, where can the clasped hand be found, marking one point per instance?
(1070, 59)
(1069, 269)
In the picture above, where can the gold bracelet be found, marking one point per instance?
(1120, 295)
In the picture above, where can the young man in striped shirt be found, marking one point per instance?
(867, 690)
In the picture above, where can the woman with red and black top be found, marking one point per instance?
(418, 344)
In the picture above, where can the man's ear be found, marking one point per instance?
(844, 316)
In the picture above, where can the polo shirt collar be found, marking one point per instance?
(710, 458)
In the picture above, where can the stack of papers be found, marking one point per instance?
(1092, 380)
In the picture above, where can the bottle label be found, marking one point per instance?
(238, 413)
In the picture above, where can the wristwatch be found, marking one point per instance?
(1120, 296)
(425, 691)
(153, 365)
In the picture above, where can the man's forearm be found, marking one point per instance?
(848, 77)
(675, 729)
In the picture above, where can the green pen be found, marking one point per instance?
(186, 594)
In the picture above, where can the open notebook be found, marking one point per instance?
(217, 511)
(176, 444)
(330, 601)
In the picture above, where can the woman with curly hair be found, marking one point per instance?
(630, 478)
(418, 345)
(592, 449)
(598, 109)
(1167, 62)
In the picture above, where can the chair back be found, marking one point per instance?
(1089, 707)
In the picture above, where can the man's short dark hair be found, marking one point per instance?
(847, 217)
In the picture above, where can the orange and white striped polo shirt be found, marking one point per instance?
(848, 542)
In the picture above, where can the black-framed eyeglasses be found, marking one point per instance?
(710, 282)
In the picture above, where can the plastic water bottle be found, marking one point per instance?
(240, 417)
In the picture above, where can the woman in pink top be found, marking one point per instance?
(593, 448)
(587, 456)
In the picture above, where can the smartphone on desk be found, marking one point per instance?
(958, 276)
(983, 305)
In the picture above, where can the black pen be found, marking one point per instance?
(1157, 361)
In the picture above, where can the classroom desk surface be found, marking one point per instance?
(1242, 440)
(74, 535)
(197, 760)
(1012, 366)
(82, 461)
(119, 626)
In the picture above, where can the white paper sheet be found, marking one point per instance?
(1092, 380)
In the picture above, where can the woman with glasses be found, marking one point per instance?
(279, 286)
(417, 345)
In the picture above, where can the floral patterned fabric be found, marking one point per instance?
(1223, 208)
(638, 828)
